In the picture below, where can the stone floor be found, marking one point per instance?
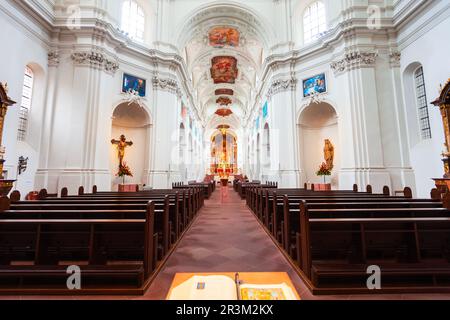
(226, 237)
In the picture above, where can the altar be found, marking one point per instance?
(128, 188)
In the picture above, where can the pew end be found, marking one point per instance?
(15, 196)
(5, 203)
(64, 192)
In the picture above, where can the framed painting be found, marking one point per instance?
(132, 83)
(265, 110)
(224, 69)
(314, 85)
(220, 37)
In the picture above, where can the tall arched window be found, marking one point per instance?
(422, 105)
(25, 106)
(133, 20)
(314, 21)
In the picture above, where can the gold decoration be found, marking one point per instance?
(443, 102)
(122, 143)
(328, 153)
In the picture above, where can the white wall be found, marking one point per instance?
(23, 48)
(422, 43)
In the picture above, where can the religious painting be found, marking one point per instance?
(132, 83)
(221, 92)
(265, 110)
(224, 101)
(224, 70)
(257, 121)
(224, 112)
(221, 37)
(314, 85)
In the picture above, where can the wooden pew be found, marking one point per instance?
(413, 253)
(36, 253)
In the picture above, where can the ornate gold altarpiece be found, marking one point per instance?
(5, 102)
(443, 102)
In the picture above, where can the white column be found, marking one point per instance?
(74, 142)
(283, 132)
(359, 123)
(165, 132)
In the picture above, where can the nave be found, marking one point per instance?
(225, 236)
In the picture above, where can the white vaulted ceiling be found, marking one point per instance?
(198, 52)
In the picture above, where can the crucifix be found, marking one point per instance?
(122, 143)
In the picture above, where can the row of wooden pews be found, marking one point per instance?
(333, 237)
(118, 240)
(242, 187)
(207, 187)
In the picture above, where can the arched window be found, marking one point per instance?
(314, 21)
(25, 106)
(422, 105)
(133, 20)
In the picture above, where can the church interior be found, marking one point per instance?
(225, 149)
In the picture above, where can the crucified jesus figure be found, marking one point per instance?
(121, 145)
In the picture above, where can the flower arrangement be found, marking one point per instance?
(323, 171)
(124, 171)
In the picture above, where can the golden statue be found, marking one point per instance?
(121, 145)
(328, 152)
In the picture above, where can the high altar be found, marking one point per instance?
(224, 154)
(5, 102)
(443, 102)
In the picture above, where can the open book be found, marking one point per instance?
(224, 288)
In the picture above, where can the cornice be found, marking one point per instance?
(282, 85)
(94, 59)
(166, 84)
(354, 60)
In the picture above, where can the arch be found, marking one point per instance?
(142, 104)
(266, 146)
(37, 105)
(316, 123)
(134, 122)
(149, 23)
(133, 19)
(258, 155)
(314, 21)
(224, 154)
(410, 94)
(230, 9)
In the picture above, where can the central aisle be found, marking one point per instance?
(226, 237)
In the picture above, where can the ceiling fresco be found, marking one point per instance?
(224, 69)
(224, 101)
(220, 37)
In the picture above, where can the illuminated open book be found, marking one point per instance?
(224, 288)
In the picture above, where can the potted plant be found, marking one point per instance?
(123, 172)
(324, 171)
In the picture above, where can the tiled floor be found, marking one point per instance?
(226, 237)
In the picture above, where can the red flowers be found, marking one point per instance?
(124, 170)
(323, 170)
